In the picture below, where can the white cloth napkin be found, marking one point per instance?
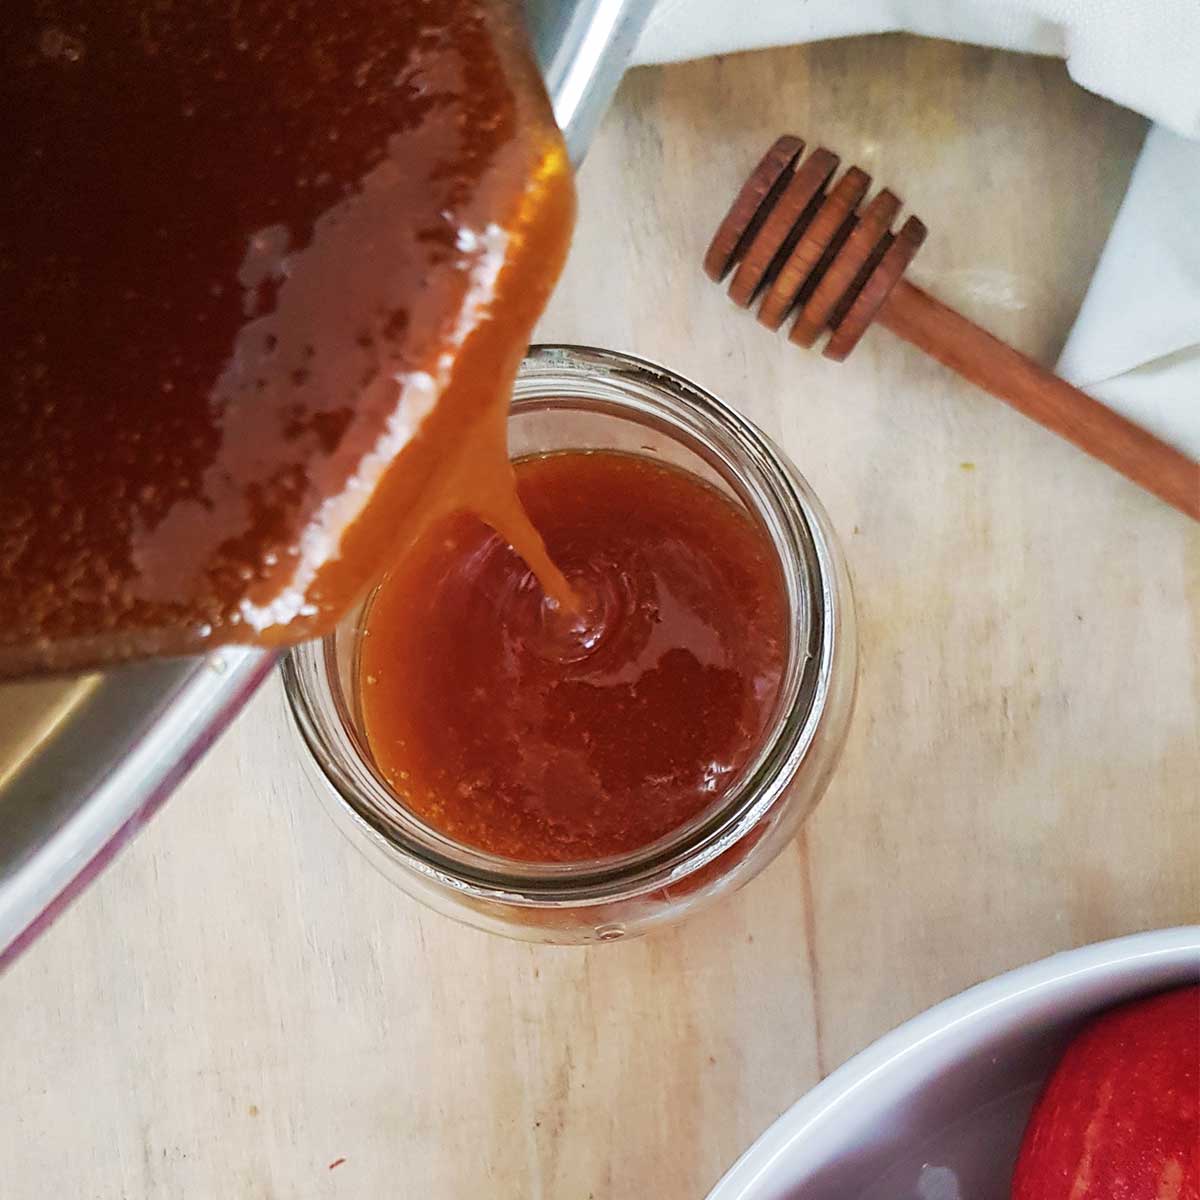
(1136, 342)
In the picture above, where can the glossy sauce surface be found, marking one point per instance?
(266, 273)
(545, 734)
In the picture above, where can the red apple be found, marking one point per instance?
(1120, 1117)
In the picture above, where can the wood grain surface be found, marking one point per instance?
(240, 1008)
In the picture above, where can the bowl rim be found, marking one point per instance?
(1001, 997)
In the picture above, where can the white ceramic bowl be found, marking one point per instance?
(935, 1110)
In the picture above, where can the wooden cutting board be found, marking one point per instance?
(240, 1003)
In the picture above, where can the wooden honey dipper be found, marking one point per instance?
(799, 247)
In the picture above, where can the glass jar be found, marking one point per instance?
(576, 398)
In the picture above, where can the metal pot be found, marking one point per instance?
(85, 761)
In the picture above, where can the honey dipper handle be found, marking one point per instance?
(986, 361)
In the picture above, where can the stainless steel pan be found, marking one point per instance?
(85, 761)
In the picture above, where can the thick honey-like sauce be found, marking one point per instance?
(266, 272)
(546, 734)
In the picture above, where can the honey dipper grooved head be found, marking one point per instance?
(798, 245)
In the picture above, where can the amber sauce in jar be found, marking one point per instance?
(556, 733)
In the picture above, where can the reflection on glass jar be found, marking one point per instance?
(579, 399)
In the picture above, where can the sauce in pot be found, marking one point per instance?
(266, 272)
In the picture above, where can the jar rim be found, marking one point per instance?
(572, 376)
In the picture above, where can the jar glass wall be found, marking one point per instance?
(576, 398)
